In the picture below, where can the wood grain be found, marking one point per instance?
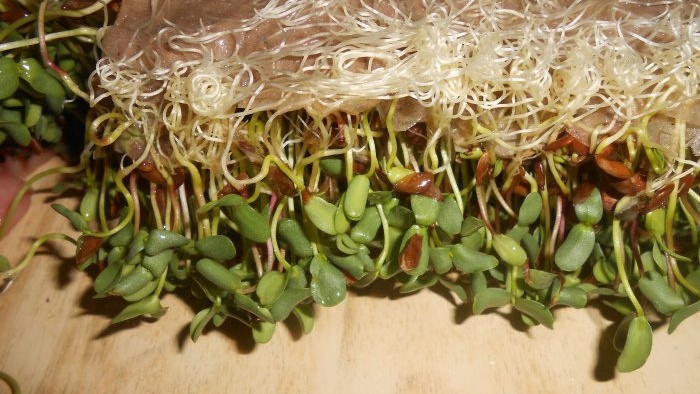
(55, 338)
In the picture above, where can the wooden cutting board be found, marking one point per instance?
(55, 338)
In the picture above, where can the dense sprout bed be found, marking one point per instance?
(266, 157)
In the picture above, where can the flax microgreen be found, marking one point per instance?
(261, 214)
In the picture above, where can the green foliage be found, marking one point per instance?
(258, 252)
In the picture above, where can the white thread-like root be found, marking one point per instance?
(514, 77)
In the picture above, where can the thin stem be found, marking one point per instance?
(501, 200)
(273, 234)
(513, 273)
(370, 142)
(451, 177)
(555, 229)
(385, 249)
(690, 216)
(133, 190)
(176, 214)
(392, 148)
(47, 59)
(103, 194)
(483, 209)
(155, 207)
(119, 183)
(113, 135)
(161, 283)
(27, 185)
(196, 179)
(555, 174)
(270, 254)
(12, 382)
(186, 224)
(50, 15)
(81, 31)
(91, 9)
(679, 276)
(32, 251)
(619, 248)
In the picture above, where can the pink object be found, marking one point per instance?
(13, 174)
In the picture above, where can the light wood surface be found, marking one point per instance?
(54, 338)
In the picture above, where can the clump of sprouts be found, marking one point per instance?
(514, 79)
(269, 156)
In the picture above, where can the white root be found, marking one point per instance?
(511, 74)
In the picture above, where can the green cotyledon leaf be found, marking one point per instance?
(270, 287)
(509, 250)
(588, 205)
(490, 298)
(680, 315)
(576, 248)
(530, 210)
(535, 310)
(9, 77)
(149, 306)
(328, 284)
(637, 346)
(656, 289)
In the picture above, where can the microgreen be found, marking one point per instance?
(528, 201)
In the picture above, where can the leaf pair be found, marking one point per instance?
(496, 298)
